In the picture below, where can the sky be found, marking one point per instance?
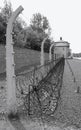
(64, 17)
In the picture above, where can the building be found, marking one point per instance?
(61, 48)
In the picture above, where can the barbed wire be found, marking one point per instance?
(41, 97)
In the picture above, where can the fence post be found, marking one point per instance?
(10, 66)
(50, 54)
(42, 51)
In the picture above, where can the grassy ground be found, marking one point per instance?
(69, 109)
(24, 59)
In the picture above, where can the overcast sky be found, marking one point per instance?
(64, 17)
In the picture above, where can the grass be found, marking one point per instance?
(69, 108)
(24, 59)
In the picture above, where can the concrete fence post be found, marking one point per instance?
(42, 52)
(10, 66)
(50, 52)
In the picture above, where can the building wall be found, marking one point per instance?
(61, 51)
(62, 48)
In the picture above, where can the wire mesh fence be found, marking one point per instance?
(39, 89)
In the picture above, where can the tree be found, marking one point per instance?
(19, 24)
(40, 24)
(20, 37)
(6, 11)
(5, 14)
(31, 38)
(17, 31)
(2, 30)
(38, 30)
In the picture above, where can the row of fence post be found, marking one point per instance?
(10, 65)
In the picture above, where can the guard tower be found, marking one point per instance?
(61, 48)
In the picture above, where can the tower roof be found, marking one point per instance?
(61, 43)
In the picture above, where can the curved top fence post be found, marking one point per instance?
(50, 54)
(10, 71)
(42, 51)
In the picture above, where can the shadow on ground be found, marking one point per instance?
(16, 123)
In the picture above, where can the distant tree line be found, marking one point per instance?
(25, 36)
(76, 54)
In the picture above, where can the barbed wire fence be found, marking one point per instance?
(39, 89)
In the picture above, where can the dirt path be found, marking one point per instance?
(69, 109)
(26, 125)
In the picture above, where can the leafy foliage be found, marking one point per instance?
(38, 30)
(5, 14)
(76, 54)
(25, 36)
(40, 24)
